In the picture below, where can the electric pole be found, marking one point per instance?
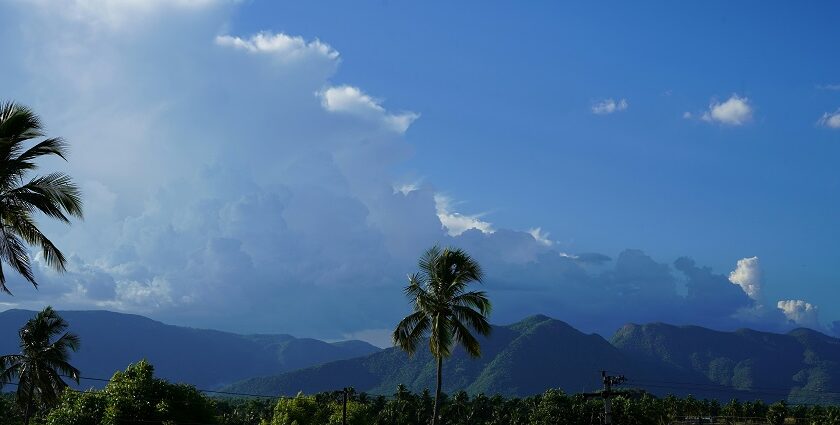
(607, 393)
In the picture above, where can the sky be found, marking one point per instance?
(279, 166)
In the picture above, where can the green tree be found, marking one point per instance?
(444, 309)
(776, 413)
(78, 408)
(135, 396)
(300, 410)
(45, 351)
(55, 195)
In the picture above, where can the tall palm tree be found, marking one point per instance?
(21, 196)
(443, 309)
(42, 361)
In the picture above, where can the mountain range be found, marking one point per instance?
(519, 359)
(539, 352)
(205, 358)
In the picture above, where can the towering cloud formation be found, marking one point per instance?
(748, 276)
(237, 182)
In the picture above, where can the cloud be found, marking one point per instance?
(800, 312)
(609, 106)
(120, 15)
(747, 275)
(222, 193)
(830, 120)
(456, 223)
(540, 237)
(280, 45)
(734, 111)
(352, 101)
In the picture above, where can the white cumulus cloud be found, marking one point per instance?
(747, 275)
(352, 101)
(281, 45)
(540, 236)
(609, 106)
(800, 312)
(830, 119)
(457, 223)
(734, 111)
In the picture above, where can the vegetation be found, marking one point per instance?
(43, 360)
(136, 397)
(444, 311)
(55, 195)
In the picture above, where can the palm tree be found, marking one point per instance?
(42, 361)
(443, 309)
(54, 194)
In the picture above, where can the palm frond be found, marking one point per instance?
(54, 195)
(13, 252)
(466, 339)
(52, 146)
(474, 299)
(410, 331)
(472, 318)
(22, 225)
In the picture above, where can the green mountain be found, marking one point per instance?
(205, 358)
(519, 359)
(801, 365)
(539, 353)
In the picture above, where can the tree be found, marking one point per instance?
(132, 397)
(443, 309)
(55, 195)
(42, 361)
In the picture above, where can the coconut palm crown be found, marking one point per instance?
(44, 354)
(22, 196)
(444, 311)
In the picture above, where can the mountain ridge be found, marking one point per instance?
(202, 357)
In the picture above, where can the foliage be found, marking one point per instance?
(45, 351)
(134, 396)
(54, 195)
(10, 413)
(140, 398)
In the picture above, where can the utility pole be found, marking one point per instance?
(609, 381)
(607, 393)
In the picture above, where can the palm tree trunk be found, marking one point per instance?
(436, 411)
(30, 405)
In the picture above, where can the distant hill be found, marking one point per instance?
(205, 358)
(801, 365)
(538, 353)
(519, 359)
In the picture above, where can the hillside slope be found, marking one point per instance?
(519, 359)
(205, 358)
(800, 365)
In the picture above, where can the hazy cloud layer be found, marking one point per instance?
(234, 181)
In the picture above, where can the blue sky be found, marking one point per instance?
(680, 129)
